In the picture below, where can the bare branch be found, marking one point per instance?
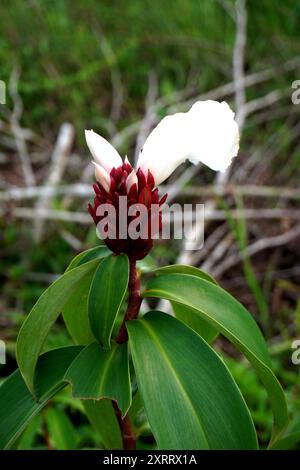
(229, 88)
(211, 242)
(17, 130)
(18, 194)
(220, 249)
(262, 102)
(85, 190)
(292, 214)
(186, 256)
(239, 59)
(84, 218)
(150, 114)
(52, 214)
(69, 238)
(260, 245)
(177, 187)
(58, 165)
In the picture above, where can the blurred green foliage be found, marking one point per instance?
(66, 76)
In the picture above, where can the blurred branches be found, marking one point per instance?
(16, 129)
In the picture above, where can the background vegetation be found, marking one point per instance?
(118, 67)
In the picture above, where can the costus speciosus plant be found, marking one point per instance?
(139, 371)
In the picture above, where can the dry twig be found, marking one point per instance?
(58, 165)
(256, 247)
(17, 130)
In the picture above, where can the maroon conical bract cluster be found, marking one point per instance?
(142, 192)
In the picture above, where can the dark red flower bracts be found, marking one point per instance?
(117, 211)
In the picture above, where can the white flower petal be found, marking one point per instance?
(103, 152)
(213, 134)
(207, 133)
(165, 148)
(130, 180)
(102, 176)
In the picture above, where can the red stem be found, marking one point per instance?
(128, 436)
(133, 308)
(134, 302)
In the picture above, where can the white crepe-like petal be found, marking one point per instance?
(207, 133)
(130, 180)
(219, 132)
(165, 148)
(103, 152)
(102, 176)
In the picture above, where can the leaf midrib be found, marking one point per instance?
(211, 321)
(105, 370)
(262, 366)
(177, 379)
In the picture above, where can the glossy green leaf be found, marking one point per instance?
(44, 313)
(103, 419)
(184, 269)
(291, 437)
(97, 373)
(62, 434)
(185, 313)
(190, 398)
(202, 327)
(108, 289)
(26, 440)
(75, 311)
(17, 405)
(228, 316)
(97, 252)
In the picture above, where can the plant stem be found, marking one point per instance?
(128, 437)
(133, 308)
(134, 302)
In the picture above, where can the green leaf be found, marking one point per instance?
(108, 289)
(27, 439)
(97, 252)
(103, 419)
(62, 434)
(97, 373)
(291, 437)
(75, 311)
(287, 442)
(184, 313)
(44, 313)
(17, 405)
(202, 327)
(229, 317)
(191, 400)
(184, 269)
